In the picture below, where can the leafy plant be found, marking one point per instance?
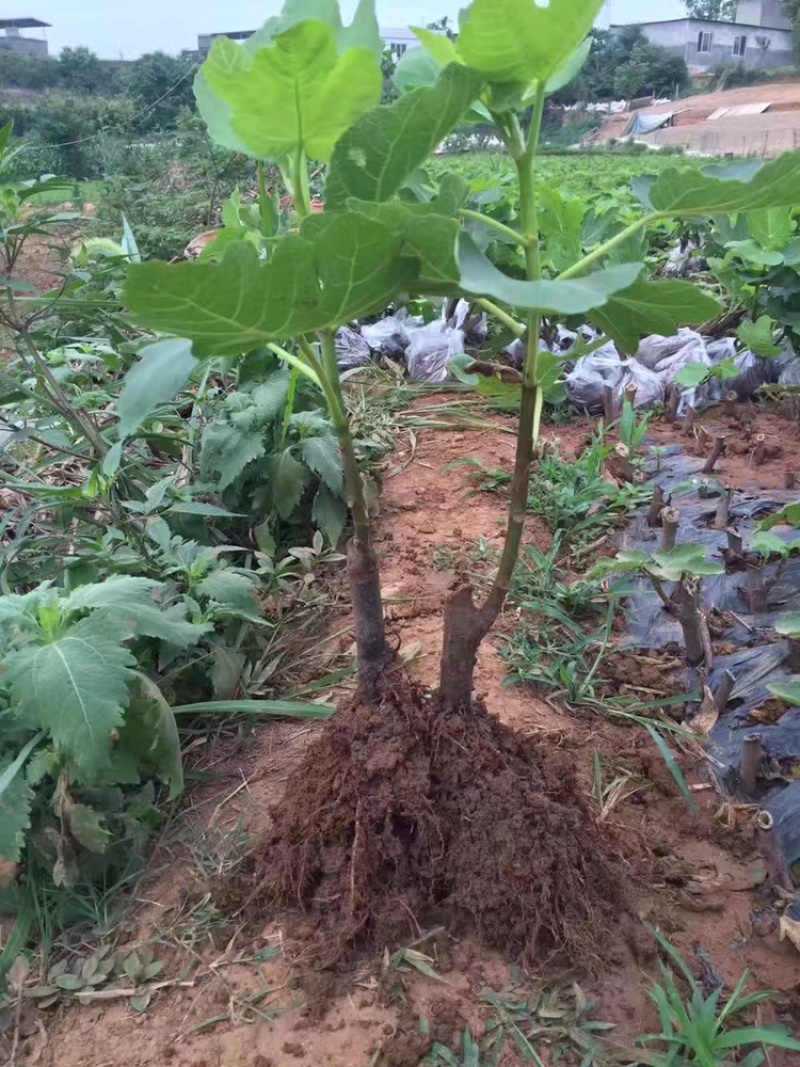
(377, 237)
(683, 565)
(700, 1031)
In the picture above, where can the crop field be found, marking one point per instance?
(399, 578)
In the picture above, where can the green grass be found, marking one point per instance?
(595, 176)
(85, 192)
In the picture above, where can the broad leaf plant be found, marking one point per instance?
(304, 91)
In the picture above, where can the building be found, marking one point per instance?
(12, 40)
(760, 37)
(399, 40)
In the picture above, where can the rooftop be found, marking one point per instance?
(22, 24)
(689, 18)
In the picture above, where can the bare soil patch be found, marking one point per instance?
(700, 878)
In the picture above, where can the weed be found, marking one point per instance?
(699, 1031)
(574, 499)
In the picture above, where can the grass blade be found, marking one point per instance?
(292, 708)
(673, 767)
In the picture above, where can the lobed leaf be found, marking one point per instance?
(383, 148)
(520, 41)
(299, 93)
(76, 687)
(727, 189)
(573, 297)
(129, 600)
(341, 266)
(653, 307)
(757, 336)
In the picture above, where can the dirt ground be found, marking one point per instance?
(703, 883)
(774, 131)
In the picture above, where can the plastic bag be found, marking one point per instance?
(650, 391)
(586, 383)
(390, 336)
(654, 350)
(790, 374)
(430, 350)
(351, 349)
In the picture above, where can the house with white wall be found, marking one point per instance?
(761, 37)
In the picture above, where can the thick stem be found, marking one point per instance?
(465, 626)
(688, 421)
(793, 659)
(735, 543)
(724, 690)
(790, 480)
(656, 507)
(723, 511)
(609, 405)
(759, 449)
(716, 452)
(751, 762)
(729, 405)
(757, 588)
(689, 613)
(363, 571)
(622, 455)
(670, 521)
(673, 402)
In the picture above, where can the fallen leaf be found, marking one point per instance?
(790, 929)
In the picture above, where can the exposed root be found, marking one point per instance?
(401, 809)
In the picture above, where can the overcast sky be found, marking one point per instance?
(125, 28)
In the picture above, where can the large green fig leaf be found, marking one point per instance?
(653, 307)
(383, 148)
(520, 41)
(574, 297)
(727, 189)
(75, 687)
(300, 92)
(341, 266)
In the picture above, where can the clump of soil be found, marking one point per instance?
(399, 810)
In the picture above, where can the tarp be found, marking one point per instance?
(758, 658)
(641, 124)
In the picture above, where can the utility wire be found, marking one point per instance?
(32, 146)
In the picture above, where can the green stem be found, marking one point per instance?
(532, 398)
(311, 372)
(599, 253)
(517, 328)
(57, 396)
(341, 426)
(513, 235)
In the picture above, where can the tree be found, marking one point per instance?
(716, 10)
(623, 63)
(793, 12)
(80, 71)
(161, 85)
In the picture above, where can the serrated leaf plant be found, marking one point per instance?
(305, 90)
(78, 713)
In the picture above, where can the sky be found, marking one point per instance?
(126, 28)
